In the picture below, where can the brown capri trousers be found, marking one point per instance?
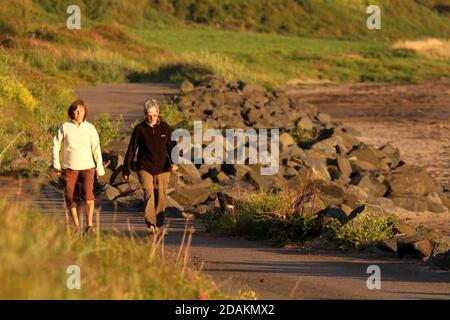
(155, 190)
(78, 184)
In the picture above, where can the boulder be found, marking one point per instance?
(266, 183)
(212, 81)
(186, 87)
(252, 88)
(227, 202)
(410, 179)
(286, 140)
(391, 155)
(190, 195)
(442, 245)
(419, 204)
(323, 117)
(173, 207)
(356, 212)
(124, 187)
(434, 203)
(232, 98)
(333, 212)
(389, 245)
(305, 123)
(334, 172)
(289, 172)
(330, 147)
(115, 160)
(209, 170)
(370, 155)
(349, 142)
(31, 153)
(237, 170)
(293, 151)
(331, 193)
(433, 235)
(414, 245)
(445, 199)
(106, 178)
(373, 187)
(355, 196)
(20, 164)
(344, 166)
(317, 166)
(117, 177)
(405, 229)
(383, 202)
(111, 193)
(188, 174)
(134, 199)
(361, 166)
(221, 177)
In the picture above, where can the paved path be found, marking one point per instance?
(124, 99)
(273, 273)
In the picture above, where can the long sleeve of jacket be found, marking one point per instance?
(131, 152)
(96, 152)
(170, 145)
(57, 141)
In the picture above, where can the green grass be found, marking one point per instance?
(36, 251)
(337, 19)
(274, 59)
(367, 229)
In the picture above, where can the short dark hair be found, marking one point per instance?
(74, 106)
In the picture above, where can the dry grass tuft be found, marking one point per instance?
(430, 48)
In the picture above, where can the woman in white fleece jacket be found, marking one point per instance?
(81, 161)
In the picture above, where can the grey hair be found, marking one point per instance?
(151, 105)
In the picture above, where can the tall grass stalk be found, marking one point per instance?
(36, 250)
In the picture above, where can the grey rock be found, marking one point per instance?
(112, 193)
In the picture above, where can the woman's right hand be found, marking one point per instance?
(125, 177)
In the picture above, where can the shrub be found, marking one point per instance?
(108, 129)
(170, 113)
(301, 136)
(366, 229)
(12, 90)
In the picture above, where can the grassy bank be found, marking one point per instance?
(274, 59)
(37, 250)
(338, 19)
